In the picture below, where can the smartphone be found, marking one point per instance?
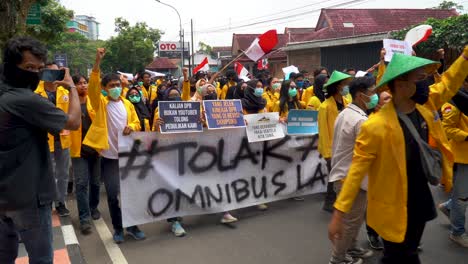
(49, 75)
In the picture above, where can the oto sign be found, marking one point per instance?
(173, 46)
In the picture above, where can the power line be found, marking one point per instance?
(282, 18)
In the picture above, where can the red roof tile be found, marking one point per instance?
(370, 21)
(161, 63)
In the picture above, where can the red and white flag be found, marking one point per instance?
(418, 34)
(262, 64)
(203, 66)
(262, 45)
(240, 70)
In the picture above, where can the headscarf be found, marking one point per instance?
(235, 92)
(252, 103)
(140, 108)
(168, 91)
(318, 86)
(197, 97)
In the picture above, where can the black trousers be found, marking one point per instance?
(407, 251)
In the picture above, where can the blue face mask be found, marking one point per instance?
(114, 93)
(258, 92)
(374, 100)
(345, 91)
(300, 84)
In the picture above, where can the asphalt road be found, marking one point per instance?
(290, 232)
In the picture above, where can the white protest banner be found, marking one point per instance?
(393, 46)
(169, 175)
(262, 127)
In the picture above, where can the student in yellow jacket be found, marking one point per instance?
(336, 88)
(231, 77)
(288, 100)
(150, 91)
(86, 162)
(319, 96)
(309, 92)
(271, 94)
(456, 127)
(399, 199)
(114, 116)
(59, 144)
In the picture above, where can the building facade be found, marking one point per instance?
(91, 23)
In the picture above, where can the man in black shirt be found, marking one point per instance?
(27, 186)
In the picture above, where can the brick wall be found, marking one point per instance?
(308, 59)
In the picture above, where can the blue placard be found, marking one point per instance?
(302, 122)
(180, 117)
(222, 114)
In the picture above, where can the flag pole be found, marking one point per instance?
(227, 65)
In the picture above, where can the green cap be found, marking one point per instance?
(402, 64)
(337, 77)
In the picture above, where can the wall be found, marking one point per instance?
(358, 56)
(308, 59)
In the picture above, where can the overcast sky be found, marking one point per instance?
(216, 20)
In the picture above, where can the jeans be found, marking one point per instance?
(34, 225)
(87, 172)
(352, 222)
(407, 251)
(110, 175)
(459, 199)
(61, 169)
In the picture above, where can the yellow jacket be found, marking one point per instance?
(76, 135)
(380, 152)
(63, 102)
(307, 94)
(327, 114)
(276, 108)
(152, 91)
(271, 99)
(97, 136)
(314, 103)
(456, 127)
(224, 90)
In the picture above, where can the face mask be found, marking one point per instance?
(200, 90)
(140, 83)
(374, 100)
(258, 92)
(276, 86)
(292, 92)
(175, 98)
(300, 84)
(212, 96)
(345, 91)
(422, 92)
(134, 99)
(20, 78)
(104, 92)
(114, 93)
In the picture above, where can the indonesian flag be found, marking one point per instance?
(240, 70)
(262, 45)
(203, 66)
(262, 64)
(418, 34)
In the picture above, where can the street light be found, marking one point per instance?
(180, 35)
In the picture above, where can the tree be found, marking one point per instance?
(205, 48)
(447, 33)
(449, 5)
(132, 49)
(80, 51)
(13, 15)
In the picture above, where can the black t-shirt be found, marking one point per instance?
(25, 120)
(340, 106)
(52, 96)
(86, 151)
(420, 202)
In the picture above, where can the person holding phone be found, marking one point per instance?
(28, 187)
(59, 143)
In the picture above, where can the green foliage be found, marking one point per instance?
(447, 33)
(205, 48)
(54, 18)
(449, 5)
(132, 49)
(80, 51)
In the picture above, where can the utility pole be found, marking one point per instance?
(193, 53)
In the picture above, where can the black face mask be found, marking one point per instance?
(212, 96)
(422, 92)
(177, 98)
(20, 78)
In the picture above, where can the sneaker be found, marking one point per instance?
(262, 207)
(443, 209)
(118, 237)
(460, 240)
(361, 253)
(85, 228)
(375, 242)
(136, 233)
(228, 218)
(177, 229)
(300, 199)
(95, 214)
(348, 260)
(62, 210)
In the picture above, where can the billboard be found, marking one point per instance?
(172, 49)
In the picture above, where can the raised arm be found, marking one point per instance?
(74, 109)
(94, 86)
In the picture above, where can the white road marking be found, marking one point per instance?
(69, 235)
(113, 249)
